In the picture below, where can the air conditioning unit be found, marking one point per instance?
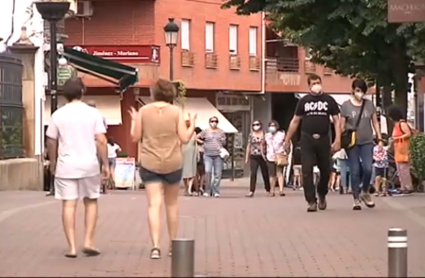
(84, 9)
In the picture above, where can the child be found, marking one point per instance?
(380, 158)
(332, 177)
(296, 178)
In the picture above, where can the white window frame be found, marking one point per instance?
(185, 34)
(209, 36)
(233, 39)
(253, 33)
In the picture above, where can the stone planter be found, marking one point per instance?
(52, 11)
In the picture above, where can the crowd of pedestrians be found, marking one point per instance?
(173, 149)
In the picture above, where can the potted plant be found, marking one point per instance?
(181, 91)
(417, 156)
(53, 10)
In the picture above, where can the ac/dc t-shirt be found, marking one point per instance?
(315, 111)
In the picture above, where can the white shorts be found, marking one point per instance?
(297, 170)
(73, 189)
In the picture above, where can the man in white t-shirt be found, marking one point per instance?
(74, 162)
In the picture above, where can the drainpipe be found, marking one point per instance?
(263, 53)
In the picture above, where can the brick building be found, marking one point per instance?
(228, 63)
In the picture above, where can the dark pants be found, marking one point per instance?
(255, 162)
(315, 152)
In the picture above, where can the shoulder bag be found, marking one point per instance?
(281, 158)
(349, 136)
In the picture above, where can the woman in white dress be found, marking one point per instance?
(189, 163)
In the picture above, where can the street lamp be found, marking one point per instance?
(171, 31)
(53, 12)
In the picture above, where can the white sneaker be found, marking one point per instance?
(206, 194)
(216, 195)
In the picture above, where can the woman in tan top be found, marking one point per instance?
(160, 127)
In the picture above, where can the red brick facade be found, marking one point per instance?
(141, 22)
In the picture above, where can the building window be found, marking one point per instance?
(185, 34)
(233, 39)
(209, 37)
(253, 41)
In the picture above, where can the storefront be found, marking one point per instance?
(205, 110)
(237, 108)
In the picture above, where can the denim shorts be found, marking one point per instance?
(169, 178)
(112, 161)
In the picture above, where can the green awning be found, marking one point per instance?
(121, 75)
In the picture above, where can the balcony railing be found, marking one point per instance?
(282, 64)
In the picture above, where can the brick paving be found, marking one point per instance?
(235, 236)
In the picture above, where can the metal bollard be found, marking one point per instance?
(397, 252)
(183, 258)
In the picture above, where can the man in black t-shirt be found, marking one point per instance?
(315, 111)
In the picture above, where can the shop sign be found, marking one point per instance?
(123, 53)
(65, 73)
(400, 11)
(232, 102)
(290, 79)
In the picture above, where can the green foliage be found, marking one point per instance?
(352, 37)
(417, 154)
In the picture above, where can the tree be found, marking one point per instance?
(352, 37)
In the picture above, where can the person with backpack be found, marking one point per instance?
(358, 115)
(402, 132)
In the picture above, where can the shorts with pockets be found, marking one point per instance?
(274, 169)
(73, 189)
(169, 178)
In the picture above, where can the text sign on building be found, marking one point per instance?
(123, 53)
(400, 11)
(290, 79)
(65, 73)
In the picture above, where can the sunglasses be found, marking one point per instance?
(256, 124)
(214, 121)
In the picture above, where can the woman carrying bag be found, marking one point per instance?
(402, 132)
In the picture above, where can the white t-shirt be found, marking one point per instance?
(112, 150)
(74, 126)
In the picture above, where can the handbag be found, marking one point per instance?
(281, 159)
(401, 150)
(349, 136)
(224, 154)
(401, 147)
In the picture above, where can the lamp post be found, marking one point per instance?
(53, 12)
(171, 31)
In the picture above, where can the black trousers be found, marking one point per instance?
(255, 162)
(315, 152)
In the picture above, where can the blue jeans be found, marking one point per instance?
(213, 164)
(363, 175)
(345, 170)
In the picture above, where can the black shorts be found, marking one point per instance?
(169, 178)
(379, 172)
(274, 169)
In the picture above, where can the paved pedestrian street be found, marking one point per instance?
(234, 236)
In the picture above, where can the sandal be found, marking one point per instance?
(90, 252)
(281, 194)
(271, 194)
(155, 254)
(70, 255)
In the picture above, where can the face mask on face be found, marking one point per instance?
(213, 124)
(316, 89)
(256, 128)
(272, 129)
(359, 95)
